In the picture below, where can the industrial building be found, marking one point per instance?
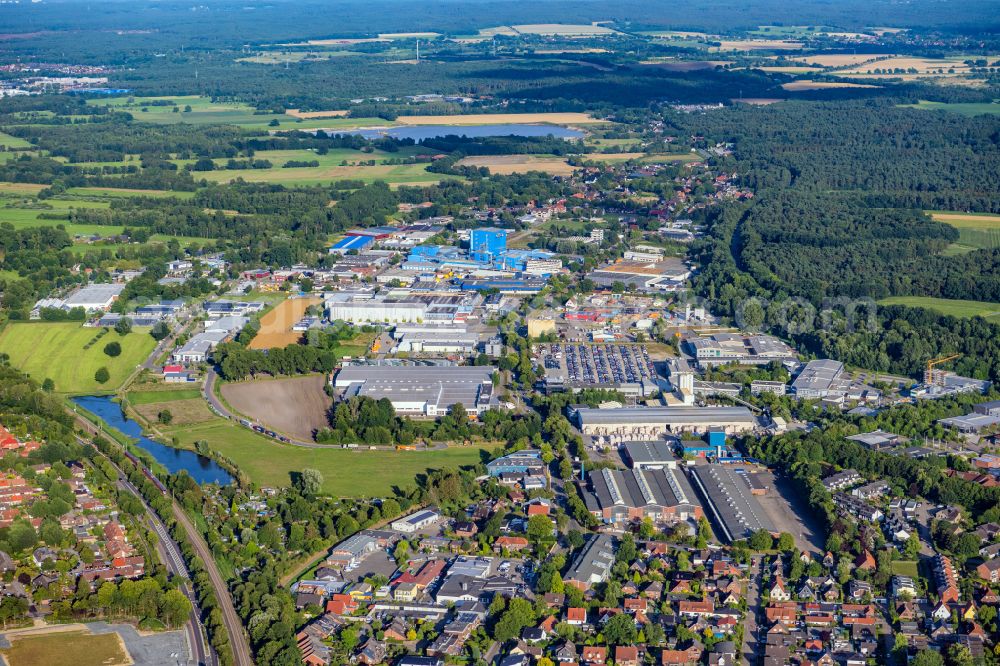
(92, 298)
(421, 390)
(359, 307)
(416, 521)
(649, 455)
(730, 501)
(636, 423)
(621, 496)
(487, 244)
(823, 378)
(649, 276)
(593, 563)
(722, 348)
(520, 462)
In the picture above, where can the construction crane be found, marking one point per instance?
(930, 375)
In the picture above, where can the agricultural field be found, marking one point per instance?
(24, 213)
(553, 118)
(835, 60)
(55, 647)
(509, 164)
(206, 112)
(333, 158)
(346, 472)
(975, 230)
(276, 325)
(403, 174)
(794, 86)
(911, 68)
(148, 397)
(120, 192)
(946, 306)
(295, 406)
(295, 113)
(758, 45)
(964, 108)
(550, 29)
(56, 351)
(29, 189)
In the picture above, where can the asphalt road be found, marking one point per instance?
(752, 652)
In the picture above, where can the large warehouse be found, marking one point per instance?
(421, 390)
(730, 501)
(635, 423)
(621, 496)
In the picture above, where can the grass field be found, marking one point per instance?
(905, 568)
(758, 45)
(551, 29)
(119, 192)
(276, 325)
(55, 350)
(975, 230)
(56, 648)
(964, 108)
(333, 158)
(8, 141)
(24, 214)
(349, 473)
(403, 174)
(945, 306)
(182, 412)
(568, 118)
(150, 397)
(822, 85)
(206, 112)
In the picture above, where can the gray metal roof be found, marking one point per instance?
(631, 415)
(647, 453)
(734, 507)
(593, 563)
(639, 488)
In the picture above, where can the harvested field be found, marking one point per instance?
(296, 406)
(500, 118)
(924, 66)
(182, 412)
(276, 325)
(822, 85)
(21, 188)
(560, 29)
(759, 45)
(839, 59)
(54, 648)
(804, 69)
(295, 113)
(508, 164)
(968, 220)
(409, 35)
(758, 101)
(685, 65)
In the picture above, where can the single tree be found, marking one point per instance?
(113, 349)
(102, 375)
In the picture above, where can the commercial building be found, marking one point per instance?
(359, 307)
(348, 243)
(970, 423)
(225, 308)
(722, 348)
(416, 521)
(352, 550)
(421, 390)
(93, 297)
(876, 440)
(593, 563)
(821, 379)
(636, 423)
(621, 496)
(519, 462)
(668, 274)
(730, 501)
(438, 342)
(655, 454)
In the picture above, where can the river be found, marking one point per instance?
(201, 469)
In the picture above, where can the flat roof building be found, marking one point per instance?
(636, 423)
(421, 390)
(649, 455)
(722, 348)
(94, 296)
(821, 379)
(416, 521)
(731, 501)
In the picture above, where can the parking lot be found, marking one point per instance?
(596, 364)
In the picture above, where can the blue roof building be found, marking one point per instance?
(487, 244)
(348, 243)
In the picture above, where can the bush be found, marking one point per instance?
(113, 349)
(102, 375)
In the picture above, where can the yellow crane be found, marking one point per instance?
(929, 373)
